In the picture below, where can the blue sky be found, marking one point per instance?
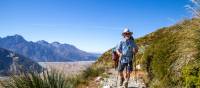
(91, 25)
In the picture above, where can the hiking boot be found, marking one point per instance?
(121, 81)
(126, 84)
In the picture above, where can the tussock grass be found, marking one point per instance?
(46, 79)
(172, 56)
(51, 79)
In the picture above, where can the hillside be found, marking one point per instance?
(12, 63)
(44, 51)
(170, 56)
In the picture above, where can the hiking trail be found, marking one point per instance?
(113, 82)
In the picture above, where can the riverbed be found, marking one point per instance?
(68, 68)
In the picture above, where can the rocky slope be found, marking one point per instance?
(12, 63)
(170, 56)
(44, 51)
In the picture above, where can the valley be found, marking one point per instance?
(68, 68)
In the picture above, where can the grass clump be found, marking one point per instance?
(51, 79)
(46, 79)
(82, 80)
(191, 75)
(191, 71)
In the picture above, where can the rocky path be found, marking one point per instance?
(113, 81)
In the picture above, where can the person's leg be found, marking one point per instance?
(128, 75)
(127, 79)
(121, 75)
(129, 69)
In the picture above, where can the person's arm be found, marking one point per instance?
(135, 48)
(119, 53)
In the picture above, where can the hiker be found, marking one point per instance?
(126, 50)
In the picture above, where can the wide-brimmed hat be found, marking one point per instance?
(127, 31)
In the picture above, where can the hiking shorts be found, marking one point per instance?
(128, 66)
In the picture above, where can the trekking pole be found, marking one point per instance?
(126, 70)
(117, 79)
(117, 71)
(126, 86)
(135, 69)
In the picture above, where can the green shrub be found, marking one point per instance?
(191, 75)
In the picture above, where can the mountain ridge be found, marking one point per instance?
(45, 51)
(13, 63)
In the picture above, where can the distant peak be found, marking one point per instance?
(57, 43)
(16, 37)
(42, 42)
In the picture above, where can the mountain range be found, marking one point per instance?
(13, 63)
(41, 51)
